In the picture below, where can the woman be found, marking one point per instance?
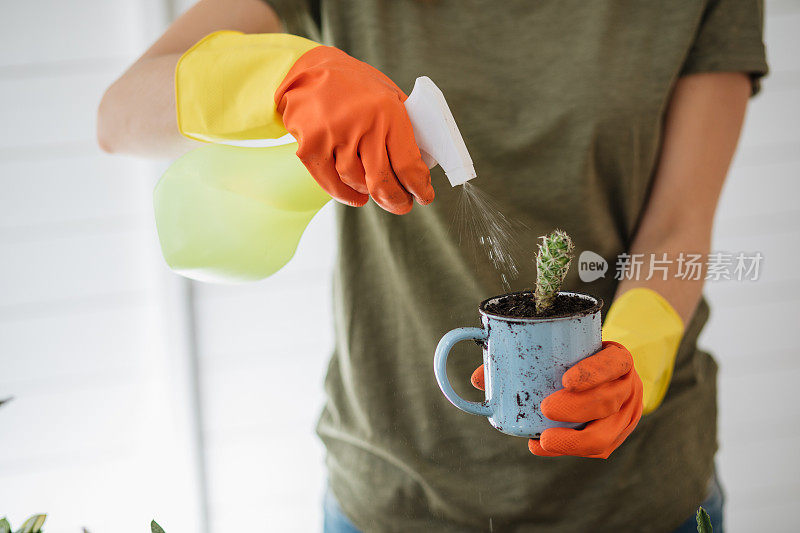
(613, 120)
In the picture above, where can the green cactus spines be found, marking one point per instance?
(552, 264)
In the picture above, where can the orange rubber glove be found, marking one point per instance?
(354, 135)
(602, 390)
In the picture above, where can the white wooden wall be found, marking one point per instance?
(98, 343)
(100, 433)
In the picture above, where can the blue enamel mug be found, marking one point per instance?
(524, 360)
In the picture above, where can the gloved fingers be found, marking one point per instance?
(381, 180)
(406, 160)
(611, 362)
(637, 415)
(477, 378)
(323, 170)
(619, 440)
(584, 406)
(536, 449)
(350, 168)
(598, 438)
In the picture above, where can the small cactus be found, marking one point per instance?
(552, 264)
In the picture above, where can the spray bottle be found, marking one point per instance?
(235, 212)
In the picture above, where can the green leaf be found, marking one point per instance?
(703, 521)
(5, 527)
(155, 528)
(33, 524)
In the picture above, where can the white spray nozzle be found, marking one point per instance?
(436, 132)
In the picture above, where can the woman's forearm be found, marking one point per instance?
(137, 112)
(701, 131)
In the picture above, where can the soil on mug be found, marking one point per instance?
(522, 305)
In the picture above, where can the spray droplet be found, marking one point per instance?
(478, 219)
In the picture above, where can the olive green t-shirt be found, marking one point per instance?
(561, 104)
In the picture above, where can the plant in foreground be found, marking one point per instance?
(552, 264)
(703, 521)
(32, 525)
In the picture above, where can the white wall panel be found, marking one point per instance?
(74, 267)
(50, 109)
(59, 190)
(281, 473)
(764, 396)
(265, 392)
(781, 37)
(70, 422)
(49, 31)
(85, 345)
(761, 482)
(758, 191)
(772, 515)
(761, 464)
(744, 330)
(779, 260)
(772, 118)
(278, 325)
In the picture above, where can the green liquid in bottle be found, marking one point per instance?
(232, 214)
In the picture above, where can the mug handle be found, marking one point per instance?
(440, 368)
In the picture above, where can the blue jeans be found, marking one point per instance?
(336, 522)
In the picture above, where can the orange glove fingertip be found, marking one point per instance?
(611, 362)
(535, 447)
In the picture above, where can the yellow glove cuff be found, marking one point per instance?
(225, 85)
(647, 325)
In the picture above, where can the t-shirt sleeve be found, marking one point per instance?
(730, 38)
(299, 17)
